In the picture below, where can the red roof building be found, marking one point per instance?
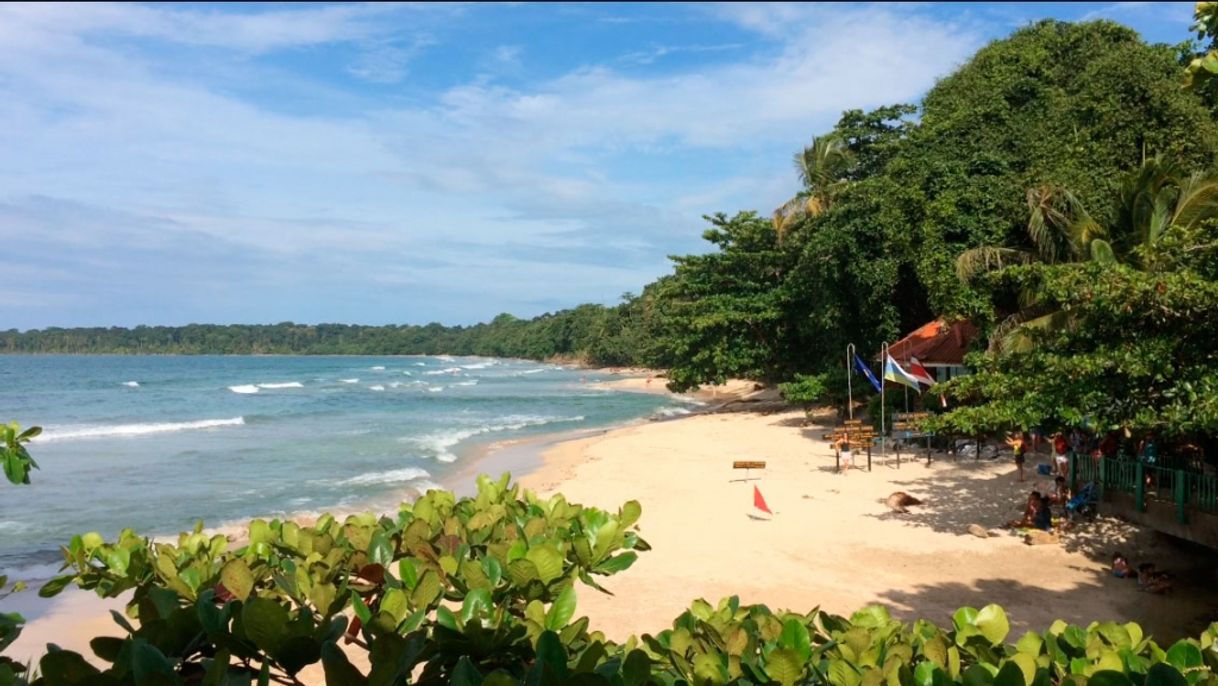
(937, 344)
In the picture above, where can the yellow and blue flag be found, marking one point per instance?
(894, 373)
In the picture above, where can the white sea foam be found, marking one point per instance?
(408, 373)
(441, 443)
(389, 477)
(480, 365)
(349, 380)
(128, 430)
(132, 384)
(446, 358)
(247, 388)
(667, 412)
(420, 364)
(289, 384)
(532, 371)
(471, 382)
(378, 368)
(435, 389)
(377, 387)
(448, 370)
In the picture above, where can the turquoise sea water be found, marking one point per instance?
(158, 442)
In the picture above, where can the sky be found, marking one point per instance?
(409, 163)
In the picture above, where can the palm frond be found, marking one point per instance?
(1197, 200)
(1017, 333)
(1102, 253)
(988, 258)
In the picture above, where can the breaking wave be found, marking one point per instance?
(128, 430)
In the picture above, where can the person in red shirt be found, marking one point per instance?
(1060, 448)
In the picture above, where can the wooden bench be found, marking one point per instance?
(910, 423)
(748, 466)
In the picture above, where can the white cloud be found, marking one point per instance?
(556, 174)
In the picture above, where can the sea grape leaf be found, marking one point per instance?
(237, 578)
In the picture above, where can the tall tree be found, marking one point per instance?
(822, 169)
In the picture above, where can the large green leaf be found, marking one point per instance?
(784, 666)
(265, 622)
(237, 578)
(562, 610)
(993, 624)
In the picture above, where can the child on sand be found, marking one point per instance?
(1019, 446)
(1120, 566)
(1029, 513)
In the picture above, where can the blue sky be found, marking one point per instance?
(168, 164)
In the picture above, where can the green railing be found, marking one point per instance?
(1187, 489)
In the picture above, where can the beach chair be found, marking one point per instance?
(1084, 502)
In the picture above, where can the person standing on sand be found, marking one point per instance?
(843, 447)
(1020, 447)
(1060, 449)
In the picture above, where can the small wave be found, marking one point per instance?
(349, 380)
(446, 358)
(289, 384)
(420, 364)
(449, 370)
(247, 388)
(533, 371)
(480, 365)
(378, 368)
(435, 389)
(408, 373)
(441, 443)
(131, 384)
(377, 387)
(392, 476)
(669, 412)
(11, 527)
(471, 382)
(125, 430)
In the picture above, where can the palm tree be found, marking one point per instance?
(1151, 201)
(1060, 230)
(821, 167)
(1156, 199)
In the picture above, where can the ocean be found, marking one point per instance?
(156, 443)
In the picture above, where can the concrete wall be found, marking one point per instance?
(1160, 515)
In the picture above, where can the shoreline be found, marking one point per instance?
(831, 542)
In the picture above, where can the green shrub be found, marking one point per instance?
(480, 591)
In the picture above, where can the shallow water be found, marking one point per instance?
(158, 442)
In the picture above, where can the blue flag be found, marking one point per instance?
(863, 369)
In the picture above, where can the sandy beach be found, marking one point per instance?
(831, 541)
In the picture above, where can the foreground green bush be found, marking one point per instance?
(481, 591)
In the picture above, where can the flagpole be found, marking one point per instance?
(849, 385)
(883, 361)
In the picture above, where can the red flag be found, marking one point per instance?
(917, 371)
(759, 502)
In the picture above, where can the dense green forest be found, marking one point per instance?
(1061, 157)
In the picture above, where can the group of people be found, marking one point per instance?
(1150, 579)
(1020, 444)
(1038, 512)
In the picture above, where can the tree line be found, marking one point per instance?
(1051, 189)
